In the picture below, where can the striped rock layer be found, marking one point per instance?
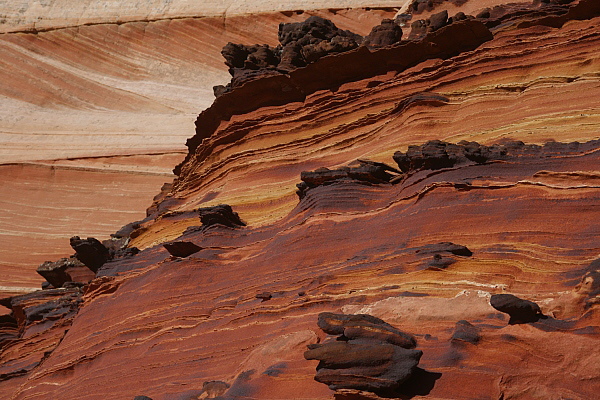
(243, 308)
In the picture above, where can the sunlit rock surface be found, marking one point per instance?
(93, 118)
(424, 250)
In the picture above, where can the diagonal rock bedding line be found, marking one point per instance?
(214, 291)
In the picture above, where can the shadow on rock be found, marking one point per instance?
(421, 383)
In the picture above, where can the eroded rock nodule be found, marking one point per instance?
(369, 354)
(520, 311)
(222, 214)
(90, 252)
(366, 171)
(384, 34)
(181, 248)
(465, 332)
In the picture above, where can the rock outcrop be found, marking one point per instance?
(90, 252)
(222, 214)
(437, 154)
(59, 272)
(368, 355)
(366, 172)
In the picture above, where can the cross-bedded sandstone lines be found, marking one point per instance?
(407, 273)
(492, 203)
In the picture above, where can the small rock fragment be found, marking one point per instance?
(264, 296)
(385, 34)
(437, 21)
(181, 248)
(520, 311)
(465, 332)
(222, 214)
(90, 252)
(213, 389)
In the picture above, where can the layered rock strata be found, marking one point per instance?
(106, 108)
(519, 194)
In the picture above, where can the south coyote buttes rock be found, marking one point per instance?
(369, 354)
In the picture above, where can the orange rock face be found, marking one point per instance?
(94, 118)
(420, 236)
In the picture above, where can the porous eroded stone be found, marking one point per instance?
(222, 214)
(367, 172)
(385, 34)
(437, 154)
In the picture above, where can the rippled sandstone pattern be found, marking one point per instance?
(243, 308)
(106, 109)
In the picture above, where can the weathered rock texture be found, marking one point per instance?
(163, 326)
(369, 354)
(93, 118)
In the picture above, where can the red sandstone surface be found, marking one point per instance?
(242, 307)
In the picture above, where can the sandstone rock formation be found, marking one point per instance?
(496, 192)
(368, 355)
(110, 118)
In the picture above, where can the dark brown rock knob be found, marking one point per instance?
(181, 248)
(222, 214)
(90, 252)
(369, 354)
(520, 311)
